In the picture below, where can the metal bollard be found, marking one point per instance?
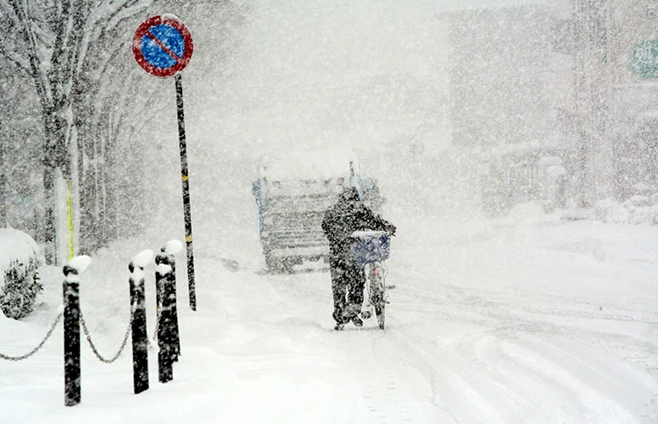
(174, 310)
(71, 289)
(138, 326)
(165, 281)
(172, 248)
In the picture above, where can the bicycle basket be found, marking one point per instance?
(371, 247)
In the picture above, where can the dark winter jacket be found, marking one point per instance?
(349, 214)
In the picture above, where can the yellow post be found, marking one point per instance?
(69, 218)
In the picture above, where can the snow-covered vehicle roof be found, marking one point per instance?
(307, 165)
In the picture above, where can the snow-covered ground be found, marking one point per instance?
(491, 322)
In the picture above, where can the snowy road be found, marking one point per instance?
(548, 332)
(554, 323)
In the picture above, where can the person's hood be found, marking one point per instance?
(349, 194)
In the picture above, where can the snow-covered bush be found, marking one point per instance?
(637, 210)
(613, 211)
(637, 201)
(526, 213)
(617, 214)
(602, 206)
(19, 260)
(654, 199)
(641, 215)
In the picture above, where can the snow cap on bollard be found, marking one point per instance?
(138, 264)
(143, 258)
(163, 269)
(79, 263)
(172, 247)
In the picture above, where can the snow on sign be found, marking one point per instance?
(162, 46)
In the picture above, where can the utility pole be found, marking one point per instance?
(592, 94)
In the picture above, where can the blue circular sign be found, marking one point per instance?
(162, 46)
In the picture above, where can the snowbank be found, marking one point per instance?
(17, 247)
(638, 210)
(529, 213)
(19, 260)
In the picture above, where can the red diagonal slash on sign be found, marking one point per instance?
(163, 47)
(144, 31)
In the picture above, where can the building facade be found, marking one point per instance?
(533, 83)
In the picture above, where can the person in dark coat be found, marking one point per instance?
(349, 214)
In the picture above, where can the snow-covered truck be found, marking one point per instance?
(293, 191)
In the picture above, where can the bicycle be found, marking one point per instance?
(370, 250)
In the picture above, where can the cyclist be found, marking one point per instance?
(349, 214)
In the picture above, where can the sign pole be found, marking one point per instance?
(163, 46)
(186, 192)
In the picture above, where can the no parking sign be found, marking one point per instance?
(162, 46)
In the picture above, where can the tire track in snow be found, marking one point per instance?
(595, 407)
(451, 391)
(485, 379)
(524, 395)
(392, 391)
(381, 393)
(477, 359)
(620, 388)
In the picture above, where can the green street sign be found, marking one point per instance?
(643, 59)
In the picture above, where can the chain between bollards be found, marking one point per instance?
(36, 349)
(166, 326)
(95, 349)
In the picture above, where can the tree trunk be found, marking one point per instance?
(49, 216)
(3, 186)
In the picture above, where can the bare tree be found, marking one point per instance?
(77, 55)
(50, 40)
